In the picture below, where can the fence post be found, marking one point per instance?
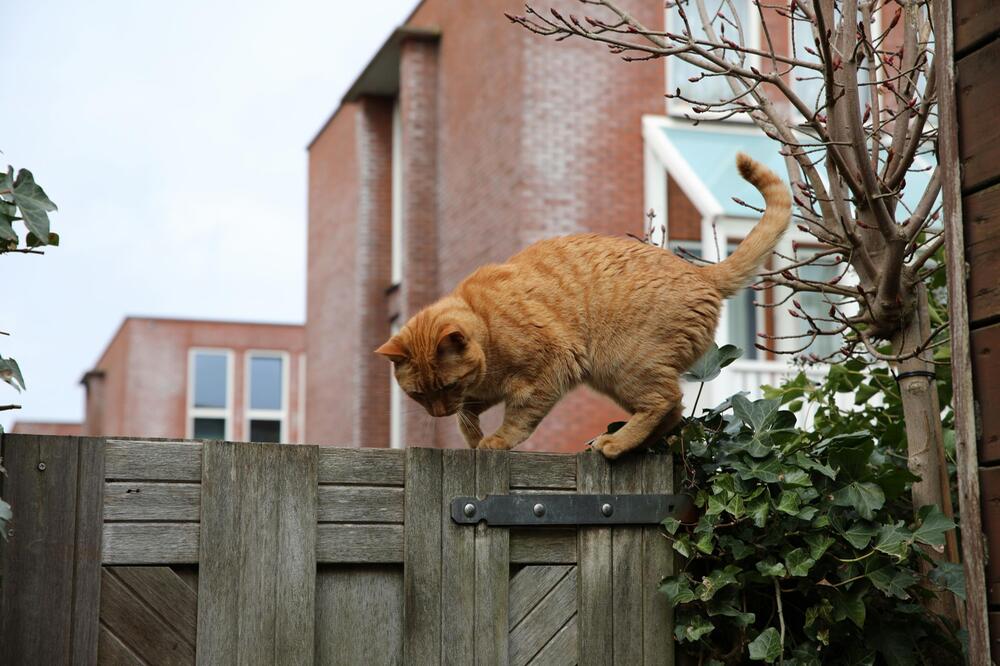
(51, 562)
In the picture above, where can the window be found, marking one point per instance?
(679, 72)
(266, 396)
(817, 304)
(209, 393)
(396, 210)
(395, 403)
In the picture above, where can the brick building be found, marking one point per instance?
(178, 378)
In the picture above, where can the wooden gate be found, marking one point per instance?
(166, 552)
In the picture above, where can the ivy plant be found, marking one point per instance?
(807, 549)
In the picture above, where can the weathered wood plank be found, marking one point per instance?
(368, 467)
(982, 252)
(51, 563)
(985, 350)
(360, 504)
(530, 585)
(626, 568)
(979, 138)
(543, 622)
(163, 590)
(657, 562)
(152, 500)
(112, 652)
(256, 581)
(359, 616)
(561, 650)
(975, 21)
(145, 460)
(594, 589)
(542, 470)
(492, 563)
(294, 563)
(139, 626)
(989, 482)
(422, 557)
(543, 545)
(359, 544)
(458, 561)
(151, 543)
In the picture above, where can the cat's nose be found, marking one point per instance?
(439, 409)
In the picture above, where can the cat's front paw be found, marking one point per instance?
(609, 446)
(494, 442)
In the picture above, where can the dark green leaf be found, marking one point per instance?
(892, 580)
(767, 646)
(711, 364)
(677, 589)
(951, 577)
(34, 204)
(692, 627)
(771, 569)
(671, 524)
(758, 510)
(865, 498)
(716, 580)
(767, 470)
(798, 562)
(894, 540)
(859, 534)
(932, 526)
(818, 544)
(789, 503)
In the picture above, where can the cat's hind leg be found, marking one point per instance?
(655, 409)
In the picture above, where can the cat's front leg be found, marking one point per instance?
(519, 421)
(468, 425)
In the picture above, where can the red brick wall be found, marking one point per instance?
(46, 428)
(332, 288)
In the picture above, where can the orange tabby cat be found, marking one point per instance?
(623, 317)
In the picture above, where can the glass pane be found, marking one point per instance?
(262, 430)
(210, 380)
(265, 382)
(209, 428)
(818, 305)
(711, 88)
(743, 323)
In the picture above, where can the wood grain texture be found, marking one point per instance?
(112, 652)
(594, 582)
(458, 561)
(256, 582)
(360, 504)
(543, 545)
(542, 470)
(164, 591)
(359, 544)
(369, 467)
(982, 252)
(51, 562)
(985, 348)
(627, 567)
(152, 500)
(530, 585)
(657, 563)
(492, 563)
(359, 615)
(561, 649)
(151, 543)
(140, 627)
(975, 21)
(989, 481)
(422, 557)
(146, 460)
(543, 622)
(978, 94)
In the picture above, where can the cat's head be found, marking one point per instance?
(436, 363)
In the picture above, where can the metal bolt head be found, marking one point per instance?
(607, 509)
(469, 510)
(41, 467)
(539, 510)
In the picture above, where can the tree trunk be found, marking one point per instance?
(922, 416)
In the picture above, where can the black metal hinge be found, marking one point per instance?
(565, 509)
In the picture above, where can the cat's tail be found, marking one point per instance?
(736, 270)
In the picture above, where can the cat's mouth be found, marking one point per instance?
(440, 409)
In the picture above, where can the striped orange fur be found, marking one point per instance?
(623, 317)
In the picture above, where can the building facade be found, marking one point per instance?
(177, 378)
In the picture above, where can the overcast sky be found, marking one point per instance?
(172, 136)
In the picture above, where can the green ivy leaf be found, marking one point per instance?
(678, 589)
(796, 478)
(682, 545)
(737, 547)
(932, 526)
(805, 462)
(818, 544)
(691, 628)
(706, 543)
(716, 580)
(894, 540)
(759, 415)
(767, 470)
(671, 524)
(865, 498)
(710, 365)
(951, 577)
(11, 373)
(859, 534)
(798, 562)
(767, 646)
(34, 204)
(850, 606)
(892, 580)
(771, 569)
(758, 511)
(789, 503)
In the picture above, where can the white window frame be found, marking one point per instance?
(396, 197)
(676, 107)
(210, 412)
(395, 402)
(280, 415)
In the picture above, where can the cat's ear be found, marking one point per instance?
(393, 350)
(451, 338)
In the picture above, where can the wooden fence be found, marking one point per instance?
(169, 552)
